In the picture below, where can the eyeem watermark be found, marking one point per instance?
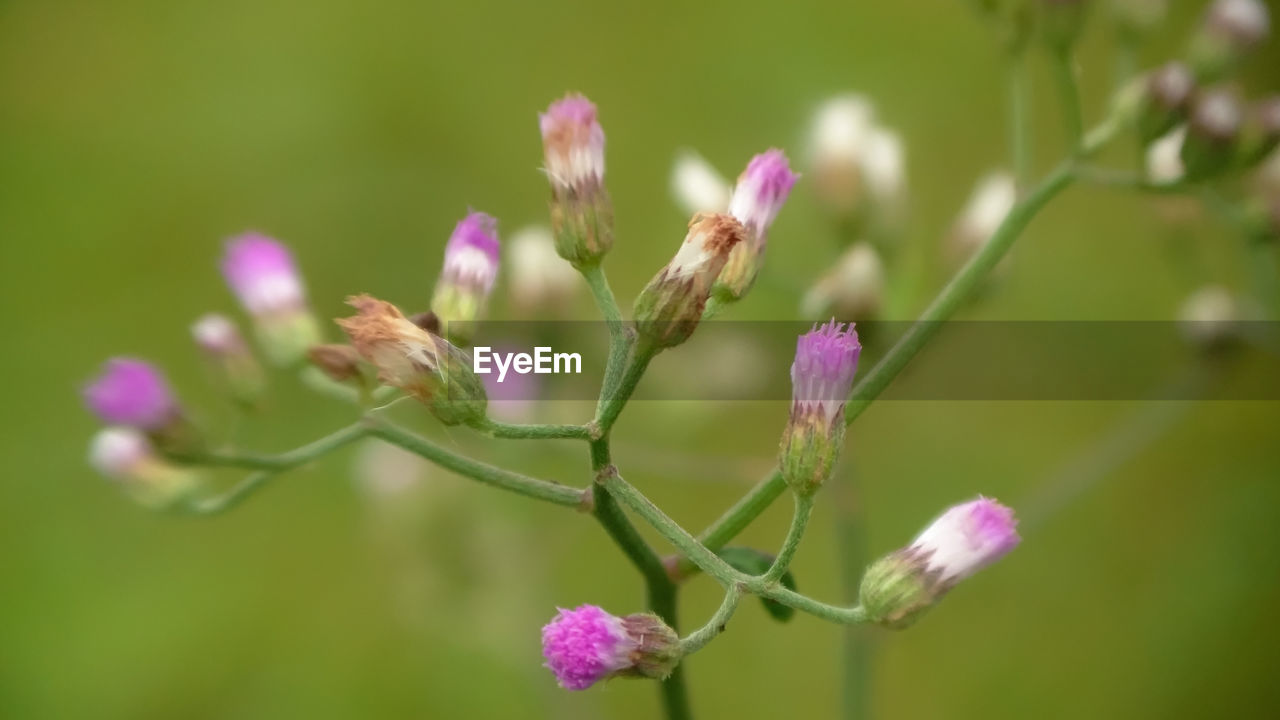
(543, 361)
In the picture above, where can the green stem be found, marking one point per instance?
(232, 497)
(535, 432)
(478, 471)
(1069, 96)
(612, 405)
(1019, 119)
(851, 551)
(283, 461)
(699, 638)
(799, 522)
(660, 589)
(711, 564)
(618, 342)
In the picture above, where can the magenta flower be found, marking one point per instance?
(262, 274)
(587, 645)
(966, 538)
(822, 373)
(762, 189)
(133, 393)
(573, 143)
(471, 257)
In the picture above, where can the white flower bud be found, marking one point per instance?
(697, 186)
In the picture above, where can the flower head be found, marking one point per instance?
(133, 393)
(821, 377)
(421, 363)
(470, 269)
(966, 538)
(853, 290)
(573, 153)
(586, 645)
(262, 274)
(471, 256)
(126, 455)
(899, 587)
(669, 308)
(572, 142)
(822, 373)
(762, 189)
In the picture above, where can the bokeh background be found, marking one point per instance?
(136, 135)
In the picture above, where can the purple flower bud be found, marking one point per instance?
(134, 393)
(262, 274)
(573, 142)
(821, 377)
(899, 587)
(966, 538)
(587, 645)
(470, 269)
(822, 373)
(762, 189)
(573, 153)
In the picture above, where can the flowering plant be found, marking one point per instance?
(1192, 134)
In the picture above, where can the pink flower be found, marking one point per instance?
(585, 646)
(822, 373)
(262, 274)
(762, 189)
(573, 143)
(132, 393)
(966, 538)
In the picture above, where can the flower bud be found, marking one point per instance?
(540, 279)
(263, 276)
(697, 186)
(821, 378)
(420, 363)
(587, 645)
(573, 151)
(668, 309)
(987, 208)
(1208, 318)
(1166, 95)
(885, 168)
(135, 394)
(1212, 133)
(838, 142)
(470, 269)
(230, 357)
(853, 290)
(899, 587)
(1229, 30)
(125, 455)
(761, 191)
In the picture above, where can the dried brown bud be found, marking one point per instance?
(339, 362)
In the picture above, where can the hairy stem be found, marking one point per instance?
(699, 638)
(283, 461)
(799, 522)
(476, 470)
(535, 432)
(618, 342)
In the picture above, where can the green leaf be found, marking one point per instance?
(756, 562)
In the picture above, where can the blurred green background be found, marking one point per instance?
(135, 136)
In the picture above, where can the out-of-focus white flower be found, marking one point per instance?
(539, 276)
(697, 185)
(853, 290)
(1164, 157)
(1208, 317)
